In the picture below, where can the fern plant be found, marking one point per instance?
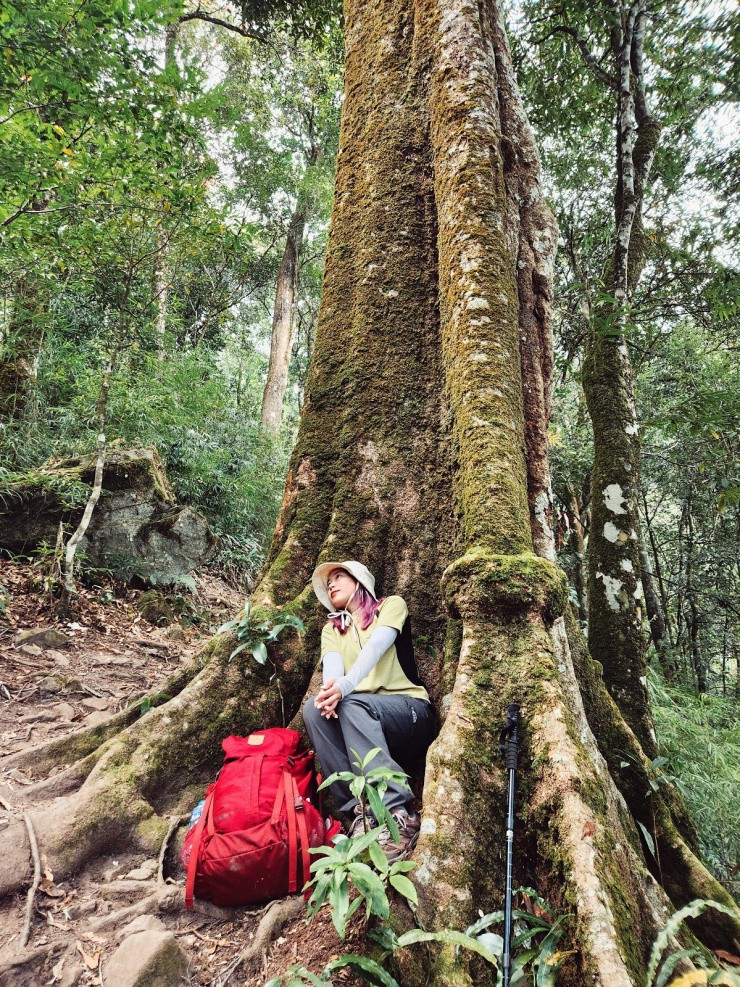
(660, 972)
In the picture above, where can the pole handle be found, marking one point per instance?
(509, 738)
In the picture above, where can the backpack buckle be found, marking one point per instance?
(297, 802)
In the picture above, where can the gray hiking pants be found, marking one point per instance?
(401, 726)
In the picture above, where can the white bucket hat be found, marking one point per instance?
(321, 574)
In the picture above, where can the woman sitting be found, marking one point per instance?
(371, 697)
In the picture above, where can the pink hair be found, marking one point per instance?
(367, 609)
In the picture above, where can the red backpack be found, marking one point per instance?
(258, 814)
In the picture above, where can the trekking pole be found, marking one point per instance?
(509, 743)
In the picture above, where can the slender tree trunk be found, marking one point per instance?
(615, 597)
(20, 349)
(283, 325)
(578, 550)
(652, 600)
(69, 590)
(161, 266)
(658, 573)
(412, 456)
(697, 658)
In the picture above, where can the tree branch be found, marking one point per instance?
(593, 63)
(245, 32)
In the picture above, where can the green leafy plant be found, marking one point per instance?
(660, 975)
(5, 599)
(370, 971)
(369, 787)
(535, 956)
(149, 702)
(359, 862)
(256, 636)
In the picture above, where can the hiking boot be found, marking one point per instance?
(357, 827)
(409, 824)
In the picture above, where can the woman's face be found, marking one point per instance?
(340, 586)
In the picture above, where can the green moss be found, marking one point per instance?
(150, 832)
(18, 488)
(155, 608)
(482, 581)
(139, 468)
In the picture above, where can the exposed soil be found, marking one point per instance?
(113, 658)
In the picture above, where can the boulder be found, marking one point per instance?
(137, 528)
(143, 923)
(150, 958)
(41, 637)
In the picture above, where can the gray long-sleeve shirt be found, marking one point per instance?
(376, 646)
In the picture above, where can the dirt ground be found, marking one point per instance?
(113, 658)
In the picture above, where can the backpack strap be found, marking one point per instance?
(319, 792)
(195, 850)
(303, 830)
(292, 835)
(405, 653)
(279, 797)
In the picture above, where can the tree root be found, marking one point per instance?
(36, 880)
(75, 748)
(167, 900)
(677, 866)
(25, 958)
(278, 915)
(118, 796)
(175, 822)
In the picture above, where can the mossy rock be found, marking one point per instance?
(138, 531)
(138, 469)
(155, 609)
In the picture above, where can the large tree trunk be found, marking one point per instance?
(412, 454)
(283, 323)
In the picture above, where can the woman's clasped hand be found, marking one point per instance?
(328, 699)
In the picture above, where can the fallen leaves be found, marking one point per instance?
(91, 962)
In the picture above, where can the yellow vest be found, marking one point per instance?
(387, 676)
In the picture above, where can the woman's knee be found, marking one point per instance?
(355, 707)
(310, 712)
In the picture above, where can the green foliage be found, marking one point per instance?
(658, 976)
(135, 186)
(699, 740)
(358, 862)
(150, 702)
(369, 786)
(370, 971)
(256, 637)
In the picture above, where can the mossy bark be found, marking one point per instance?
(413, 455)
(616, 600)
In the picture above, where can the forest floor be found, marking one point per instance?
(111, 659)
